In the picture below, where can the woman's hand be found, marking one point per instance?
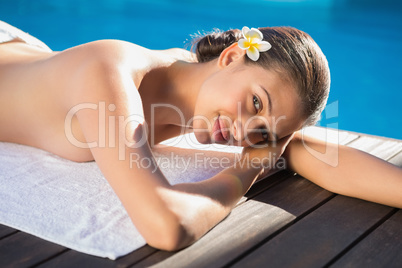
(264, 155)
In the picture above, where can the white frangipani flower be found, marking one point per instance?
(252, 42)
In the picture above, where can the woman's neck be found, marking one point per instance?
(172, 91)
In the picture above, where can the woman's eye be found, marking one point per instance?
(264, 134)
(257, 104)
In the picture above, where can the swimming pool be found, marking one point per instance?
(362, 40)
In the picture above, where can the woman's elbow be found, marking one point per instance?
(176, 222)
(169, 235)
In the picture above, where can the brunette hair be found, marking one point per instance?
(293, 53)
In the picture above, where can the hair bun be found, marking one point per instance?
(210, 46)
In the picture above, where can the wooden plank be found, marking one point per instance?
(318, 237)
(264, 184)
(381, 148)
(6, 231)
(22, 250)
(136, 256)
(381, 248)
(74, 258)
(246, 226)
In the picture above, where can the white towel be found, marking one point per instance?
(72, 204)
(9, 33)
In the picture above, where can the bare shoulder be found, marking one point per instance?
(106, 63)
(111, 51)
(96, 65)
(108, 53)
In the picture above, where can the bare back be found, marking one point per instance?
(30, 112)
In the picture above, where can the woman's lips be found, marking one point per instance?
(224, 130)
(218, 131)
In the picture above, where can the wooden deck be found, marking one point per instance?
(285, 221)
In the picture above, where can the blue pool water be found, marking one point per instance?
(362, 40)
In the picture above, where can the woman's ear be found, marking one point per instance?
(230, 54)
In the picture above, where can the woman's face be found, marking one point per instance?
(243, 105)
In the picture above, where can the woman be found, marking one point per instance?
(249, 88)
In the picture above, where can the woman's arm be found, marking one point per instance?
(346, 171)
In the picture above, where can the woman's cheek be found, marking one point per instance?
(236, 103)
(252, 138)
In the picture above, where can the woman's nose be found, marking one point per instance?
(238, 133)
